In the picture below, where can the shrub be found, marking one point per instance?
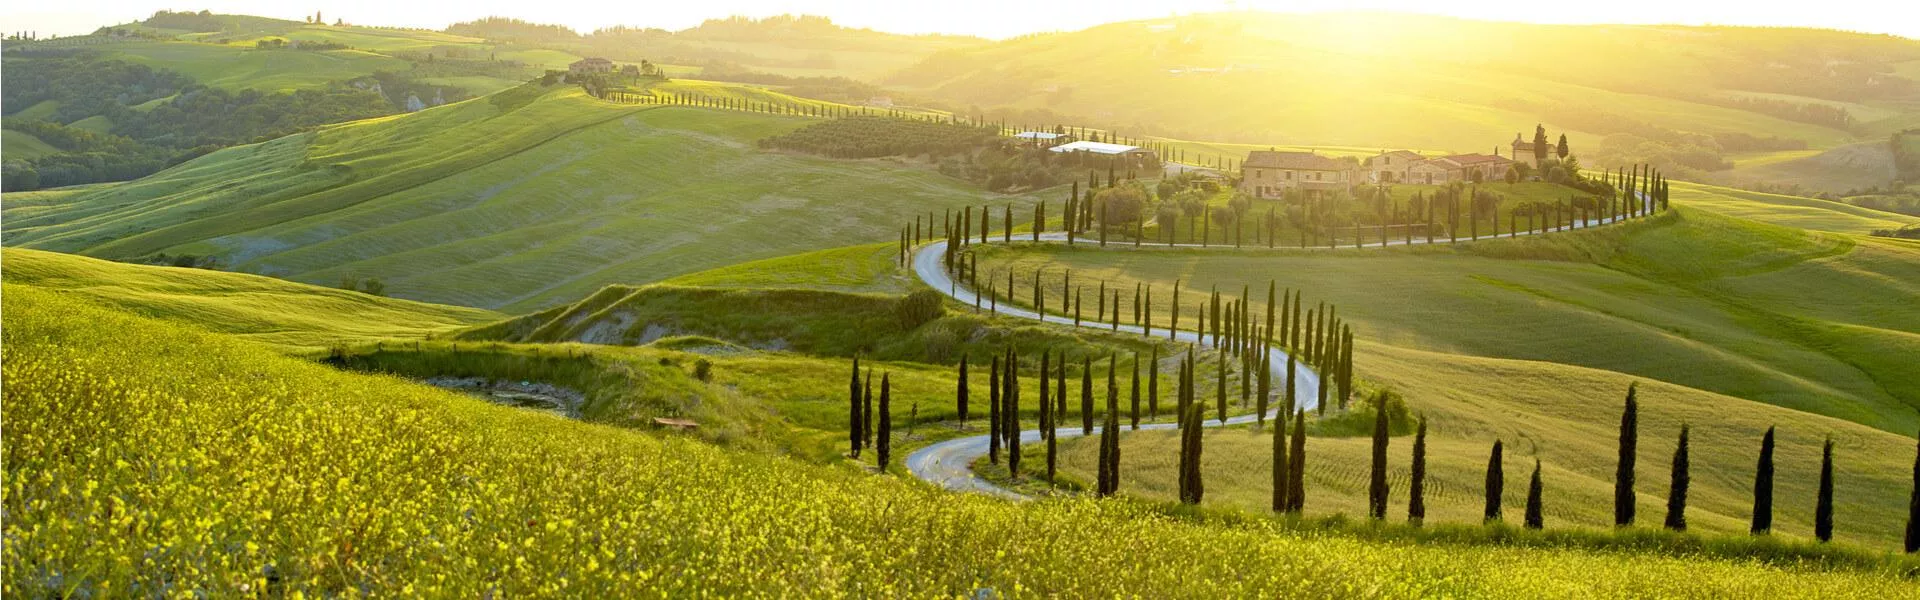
(918, 308)
(703, 370)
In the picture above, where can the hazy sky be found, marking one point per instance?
(990, 18)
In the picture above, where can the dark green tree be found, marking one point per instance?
(866, 412)
(1496, 483)
(960, 394)
(853, 410)
(1297, 464)
(1534, 520)
(1677, 486)
(1109, 482)
(1913, 508)
(1086, 396)
(1047, 416)
(1281, 464)
(1153, 385)
(1220, 388)
(1377, 479)
(1623, 496)
(1417, 490)
(1562, 149)
(1134, 414)
(993, 414)
(884, 429)
(1011, 414)
(1763, 487)
(1823, 505)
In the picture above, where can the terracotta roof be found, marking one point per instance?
(1395, 158)
(1474, 159)
(1302, 161)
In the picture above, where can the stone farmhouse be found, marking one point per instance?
(1271, 174)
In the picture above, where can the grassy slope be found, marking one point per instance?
(20, 145)
(1792, 211)
(365, 482)
(520, 200)
(1667, 300)
(258, 308)
(1567, 417)
(1835, 171)
(236, 67)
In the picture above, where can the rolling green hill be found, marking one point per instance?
(263, 309)
(439, 489)
(521, 200)
(1403, 81)
(1804, 320)
(20, 144)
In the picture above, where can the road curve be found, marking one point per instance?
(949, 463)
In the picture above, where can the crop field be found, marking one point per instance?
(441, 487)
(1792, 211)
(235, 68)
(575, 194)
(1662, 299)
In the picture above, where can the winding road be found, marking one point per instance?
(949, 463)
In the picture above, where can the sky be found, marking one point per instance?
(986, 18)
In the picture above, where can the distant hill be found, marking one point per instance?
(1677, 96)
(520, 200)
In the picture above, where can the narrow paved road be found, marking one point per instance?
(949, 464)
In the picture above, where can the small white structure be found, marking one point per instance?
(1100, 148)
(1038, 136)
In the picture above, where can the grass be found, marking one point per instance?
(1793, 211)
(22, 145)
(369, 483)
(1567, 417)
(1667, 299)
(236, 68)
(868, 268)
(291, 315)
(522, 200)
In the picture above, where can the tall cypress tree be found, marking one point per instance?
(1346, 364)
(1377, 480)
(1496, 483)
(1763, 487)
(1153, 385)
(1913, 507)
(993, 414)
(1134, 414)
(1677, 487)
(1047, 416)
(1220, 388)
(1297, 465)
(1110, 438)
(1535, 520)
(853, 410)
(1823, 505)
(1623, 497)
(1266, 387)
(960, 394)
(884, 429)
(1281, 464)
(1417, 490)
(1086, 396)
(866, 412)
(1012, 417)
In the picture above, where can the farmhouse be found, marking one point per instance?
(1390, 167)
(1523, 151)
(590, 65)
(1270, 174)
(1464, 168)
(1102, 148)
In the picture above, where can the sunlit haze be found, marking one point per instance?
(988, 18)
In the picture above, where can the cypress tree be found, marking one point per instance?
(1346, 364)
(1496, 483)
(1913, 507)
(1677, 488)
(1823, 505)
(1377, 481)
(1417, 491)
(1060, 391)
(1134, 414)
(1763, 487)
(1046, 414)
(1623, 497)
(1086, 396)
(1297, 465)
(1266, 388)
(866, 412)
(885, 428)
(1153, 385)
(1110, 438)
(1012, 418)
(1534, 519)
(1220, 389)
(853, 410)
(1006, 226)
(960, 397)
(993, 414)
(1281, 464)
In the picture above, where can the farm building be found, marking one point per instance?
(1102, 148)
(590, 65)
(1270, 174)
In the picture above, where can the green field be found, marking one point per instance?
(520, 200)
(263, 309)
(175, 448)
(236, 68)
(1791, 211)
(20, 144)
(1692, 298)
